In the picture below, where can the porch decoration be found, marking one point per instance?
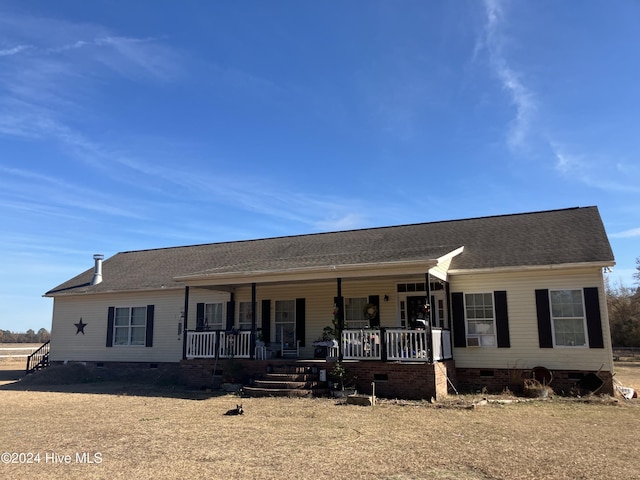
(370, 311)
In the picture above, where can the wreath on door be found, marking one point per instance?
(370, 311)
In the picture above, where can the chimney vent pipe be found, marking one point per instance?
(97, 270)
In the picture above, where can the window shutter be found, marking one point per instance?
(149, 338)
(110, 319)
(199, 317)
(266, 321)
(231, 308)
(300, 320)
(543, 311)
(375, 300)
(594, 321)
(457, 312)
(502, 319)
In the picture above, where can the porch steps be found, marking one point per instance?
(288, 381)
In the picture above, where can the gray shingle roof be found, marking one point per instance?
(574, 235)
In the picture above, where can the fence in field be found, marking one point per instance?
(626, 352)
(17, 352)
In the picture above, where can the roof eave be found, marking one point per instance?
(325, 272)
(528, 268)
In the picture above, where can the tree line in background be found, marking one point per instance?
(624, 312)
(30, 336)
(623, 303)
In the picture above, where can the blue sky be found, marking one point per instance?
(134, 125)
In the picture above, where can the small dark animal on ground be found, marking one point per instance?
(236, 411)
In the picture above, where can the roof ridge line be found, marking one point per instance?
(383, 227)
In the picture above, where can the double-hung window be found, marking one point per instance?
(568, 318)
(213, 314)
(480, 316)
(130, 326)
(354, 312)
(285, 321)
(245, 315)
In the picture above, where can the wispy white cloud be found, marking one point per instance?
(42, 103)
(14, 50)
(43, 92)
(632, 233)
(522, 97)
(591, 171)
(63, 198)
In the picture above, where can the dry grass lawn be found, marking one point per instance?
(145, 432)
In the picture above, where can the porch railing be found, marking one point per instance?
(39, 358)
(407, 344)
(361, 344)
(236, 345)
(225, 344)
(395, 344)
(441, 344)
(201, 344)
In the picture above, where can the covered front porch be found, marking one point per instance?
(395, 312)
(382, 344)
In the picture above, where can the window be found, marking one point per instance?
(244, 315)
(213, 314)
(130, 326)
(480, 318)
(285, 321)
(354, 312)
(567, 318)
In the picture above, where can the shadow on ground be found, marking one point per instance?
(11, 375)
(78, 378)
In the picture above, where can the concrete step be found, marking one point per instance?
(286, 384)
(290, 377)
(285, 392)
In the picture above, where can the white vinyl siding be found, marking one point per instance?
(91, 347)
(525, 351)
(567, 318)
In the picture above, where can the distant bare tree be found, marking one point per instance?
(623, 304)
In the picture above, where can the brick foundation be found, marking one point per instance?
(140, 372)
(495, 380)
(393, 380)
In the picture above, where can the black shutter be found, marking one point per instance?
(594, 321)
(544, 319)
(199, 317)
(300, 320)
(266, 321)
(110, 318)
(149, 338)
(457, 313)
(231, 308)
(375, 321)
(502, 319)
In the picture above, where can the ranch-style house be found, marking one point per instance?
(417, 309)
